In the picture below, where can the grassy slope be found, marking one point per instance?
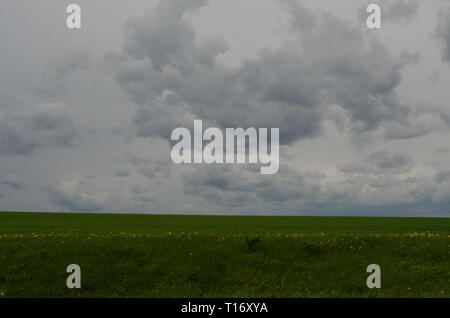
(232, 262)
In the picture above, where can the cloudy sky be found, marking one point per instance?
(364, 115)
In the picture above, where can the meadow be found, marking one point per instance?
(222, 256)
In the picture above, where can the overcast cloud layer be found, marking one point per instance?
(364, 115)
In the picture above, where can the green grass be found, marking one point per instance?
(222, 256)
(85, 223)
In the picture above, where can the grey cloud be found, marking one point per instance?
(288, 88)
(405, 131)
(222, 178)
(141, 196)
(380, 162)
(300, 18)
(53, 80)
(67, 63)
(156, 168)
(442, 151)
(135, 160)
(393, 11)
(37, 118)
(120, 173)
(152, 171)
(137, 189)
(151, 167)
(419, 121)
(26, 125)
(12, 182)
(443, 33)
(160, 119)
(442, 176)
(242, 186)
(402, 9)
(166, 37)
(74, 203)
(242, 189)
(387, 161)
(173, 76)
(72, 196)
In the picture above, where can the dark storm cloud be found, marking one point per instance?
(174, 78)
(26, 125)
(443, 33)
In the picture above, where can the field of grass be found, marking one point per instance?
(222, 256)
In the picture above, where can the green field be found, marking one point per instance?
(222, 256)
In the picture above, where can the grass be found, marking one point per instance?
(222, 256)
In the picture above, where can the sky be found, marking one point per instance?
(364, 116)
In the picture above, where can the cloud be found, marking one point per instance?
(64, 65)
(173, 78)
(380, 162)
(27, 125)
(393, 11)
(386, 186)
(442, 176)
(441, 198)
(328, 63)
(442, 151)
(236, 187)
(167, 38)
(137, 189)
(72, 196)
(39, 116)
(401, 9)
(151, 168)
(12, 182)
(329, 84)
(443, 33)
(120, 173)
(140, 197)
